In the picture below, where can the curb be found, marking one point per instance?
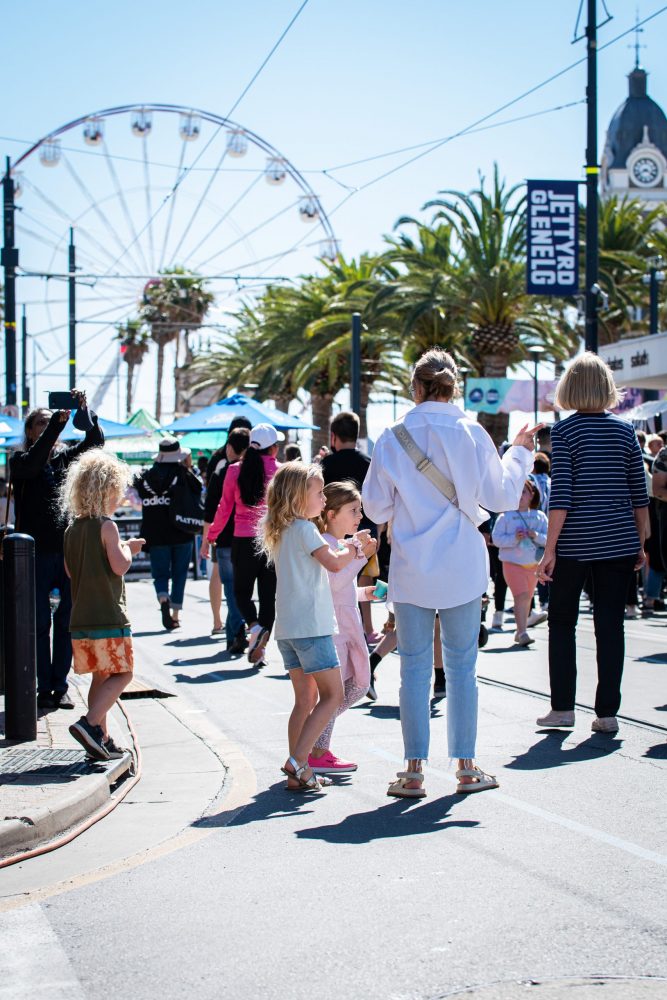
(45, 823)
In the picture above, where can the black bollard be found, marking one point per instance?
(7, 529)
(20, 646)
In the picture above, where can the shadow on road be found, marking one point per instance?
(200, 640)
(272, 803)
(652, 658)
(658, 752)
(214, 676)
(549, 751)
(401, 818)
(222, 657)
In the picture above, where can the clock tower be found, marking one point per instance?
(634, 162)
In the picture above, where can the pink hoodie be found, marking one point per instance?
(246, 518)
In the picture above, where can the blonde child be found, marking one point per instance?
(341, 518)
(518, 535)
(305, 620)
(96, 561)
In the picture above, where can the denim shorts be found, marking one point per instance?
(312, 654)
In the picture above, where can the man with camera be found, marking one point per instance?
(36, 474)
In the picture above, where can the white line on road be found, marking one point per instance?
(550, 817)
(34, 962)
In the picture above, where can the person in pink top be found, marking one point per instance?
(244, 493)
(341, 518)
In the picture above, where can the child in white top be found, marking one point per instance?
(342, 516)
(305, 620)
(518, 535)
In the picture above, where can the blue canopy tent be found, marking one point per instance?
(111, 429)
(219, 416)
(10, 426)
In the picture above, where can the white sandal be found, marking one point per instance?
(398, 790)
(480, 783)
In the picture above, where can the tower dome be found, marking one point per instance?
(634, 162)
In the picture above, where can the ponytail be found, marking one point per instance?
(252, 477)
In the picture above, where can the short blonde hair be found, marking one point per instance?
(588, 384)
(286, 500)
(436, 375)
(91, 482)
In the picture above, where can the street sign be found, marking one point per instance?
(552, 264)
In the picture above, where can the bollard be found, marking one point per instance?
(20, 646)
(4, 531)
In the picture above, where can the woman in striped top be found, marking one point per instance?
(598, 522)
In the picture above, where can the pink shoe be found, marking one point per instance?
(372, 638)
(328, 763)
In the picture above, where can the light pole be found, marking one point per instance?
(464, 371)
(395, 389)
(653, 279)
(536, 353)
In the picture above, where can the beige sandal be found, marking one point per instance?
(398, 790)
(481, 780)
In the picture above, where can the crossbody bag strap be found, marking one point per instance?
(424, 464)
(9, 500)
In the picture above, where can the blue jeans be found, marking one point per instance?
(52, 667)
(170, 562)
(226, 571)
(653, 583)
(459, 629)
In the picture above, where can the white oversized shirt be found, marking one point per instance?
(438, 557)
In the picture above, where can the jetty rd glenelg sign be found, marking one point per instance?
(552, 266)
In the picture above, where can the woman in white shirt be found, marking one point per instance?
(439, 560)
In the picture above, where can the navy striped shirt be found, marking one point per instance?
(597, 476)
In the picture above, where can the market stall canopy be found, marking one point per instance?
(646, 411)
(219, 416)
(111, 430)
(10, 427)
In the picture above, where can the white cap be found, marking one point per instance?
(264, 435)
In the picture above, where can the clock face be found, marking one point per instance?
(645, 170)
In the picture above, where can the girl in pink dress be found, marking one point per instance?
(340, 519)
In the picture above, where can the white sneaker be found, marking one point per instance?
(536, 618)
(523, 639)
(557, 720)
(498, 620)
(607, 724)
(631, 611)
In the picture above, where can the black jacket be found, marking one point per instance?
(36, 478)
(212, 502)
(153, 489)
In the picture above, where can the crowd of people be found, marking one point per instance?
(302, 552)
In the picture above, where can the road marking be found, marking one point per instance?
(568, 824)
(33, 961)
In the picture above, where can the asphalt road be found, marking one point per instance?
(557, 877)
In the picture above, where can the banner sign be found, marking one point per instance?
(504, 395)
(552, 265)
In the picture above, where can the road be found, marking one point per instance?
(556, 878)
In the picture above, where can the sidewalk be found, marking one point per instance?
(50, 785)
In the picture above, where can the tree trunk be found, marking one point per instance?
(158, 382)
(363, 409)
(128, 395)
(496, 424)
(321, 407)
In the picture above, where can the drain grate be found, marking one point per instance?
(57, 763)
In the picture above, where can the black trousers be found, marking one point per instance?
(611, 578)
(251, 567)
(496, 573)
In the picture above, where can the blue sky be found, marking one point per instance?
(351, 80)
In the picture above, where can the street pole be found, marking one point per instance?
(9, 259)
(536, 391)
(355, 365)
(592, 173)
(25, 391)
(71, 281)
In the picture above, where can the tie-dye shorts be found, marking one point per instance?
(102, 651)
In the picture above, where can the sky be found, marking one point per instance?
(349, 81)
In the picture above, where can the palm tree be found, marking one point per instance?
(134, 342)
(488, 284)
(176, 302)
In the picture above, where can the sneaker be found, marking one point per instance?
(523, 639)
(607, 724)
(46, 701)
(258, 638)
(536, 618)
(557, 720)
(371, 694)
(115, 752)
(239, 643)
(165, 612)
(219, 630)
(90, 737)
(440, 690)
(328, 763)
(498, 620)
(62, 700)
(631, 612)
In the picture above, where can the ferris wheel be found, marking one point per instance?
(129, 192)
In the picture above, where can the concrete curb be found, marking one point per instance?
(46, 823)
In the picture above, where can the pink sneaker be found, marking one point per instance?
(328, 763)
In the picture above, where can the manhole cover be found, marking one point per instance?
(588, 988)
(49, 762)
